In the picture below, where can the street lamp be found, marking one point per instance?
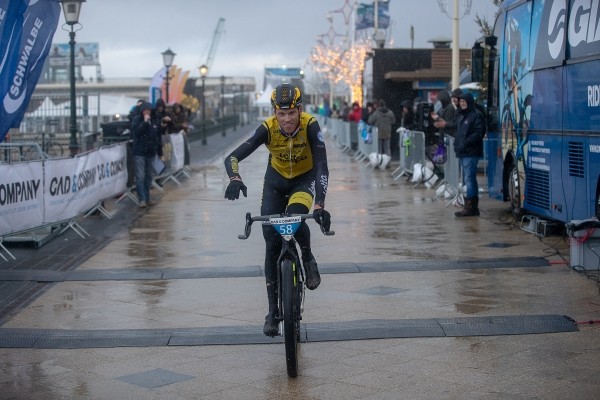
(71, 9)
(168, 57)
(223, 103)
(235, 114)
(203, 72)
(242, 121)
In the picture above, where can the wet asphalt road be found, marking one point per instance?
(398, 255)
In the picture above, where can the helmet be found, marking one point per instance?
(285, 96)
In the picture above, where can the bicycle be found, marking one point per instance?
(290, 280)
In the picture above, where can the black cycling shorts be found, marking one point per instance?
(279, 193)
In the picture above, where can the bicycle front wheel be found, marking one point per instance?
(290, 319)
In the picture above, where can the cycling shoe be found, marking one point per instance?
(271, 327)
(313, 278)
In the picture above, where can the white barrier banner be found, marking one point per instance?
(114, 179)
(21, 196)
(74, 186)
(177, 144)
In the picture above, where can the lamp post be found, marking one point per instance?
(71, 9)
(203, 72)
(235, 114)
(223, 103)
(242, 121)
(168, 57)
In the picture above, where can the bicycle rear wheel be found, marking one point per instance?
(290, 320)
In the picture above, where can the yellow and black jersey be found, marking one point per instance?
(290, 156)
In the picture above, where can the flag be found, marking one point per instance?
(365, 15)
(26, 31)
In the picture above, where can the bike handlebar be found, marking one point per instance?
(265, 218)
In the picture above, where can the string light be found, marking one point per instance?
(341, 61)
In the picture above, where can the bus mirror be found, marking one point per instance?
(477, 62)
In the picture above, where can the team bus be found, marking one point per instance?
(540, 79)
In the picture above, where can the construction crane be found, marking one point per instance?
(215, 43)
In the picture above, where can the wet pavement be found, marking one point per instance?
(414, 303)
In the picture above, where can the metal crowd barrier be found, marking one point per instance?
(412, 151)
(13, 152)
(365, 149)
(452, 173)
(343, 136)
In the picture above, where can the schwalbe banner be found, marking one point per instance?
(27, 29)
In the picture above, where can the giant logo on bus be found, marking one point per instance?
(556, 28)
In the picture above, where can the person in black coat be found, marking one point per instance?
(407, 118)
(147, 144)
(445, 120)
(468, 146)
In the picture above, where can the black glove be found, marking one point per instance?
(233, 189)
(323, 218)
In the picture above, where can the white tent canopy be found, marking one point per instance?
(263, 103)
(265, 97)
(97, 106)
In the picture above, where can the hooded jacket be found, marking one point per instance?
(448, 114)
(407, 120)
(470, 130)
(147, 141)
(383, 118)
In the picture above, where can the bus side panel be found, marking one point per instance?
(543, 144)
(581, 150)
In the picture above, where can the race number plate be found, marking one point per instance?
(286, 226)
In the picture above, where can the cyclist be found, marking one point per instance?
(296, 175)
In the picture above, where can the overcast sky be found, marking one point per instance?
(132, 34)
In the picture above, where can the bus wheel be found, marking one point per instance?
(514, 193)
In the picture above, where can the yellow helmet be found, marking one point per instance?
(285, 96)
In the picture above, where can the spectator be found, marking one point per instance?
(345, 111)
(335, 113)
(325, 112)
(147, 144)
(179, 119)
(135, 110)
(355, 114)
(383, 118)
(161, 114)
(366, 113)
(469, 149)
(445, 121)
(407, 119)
